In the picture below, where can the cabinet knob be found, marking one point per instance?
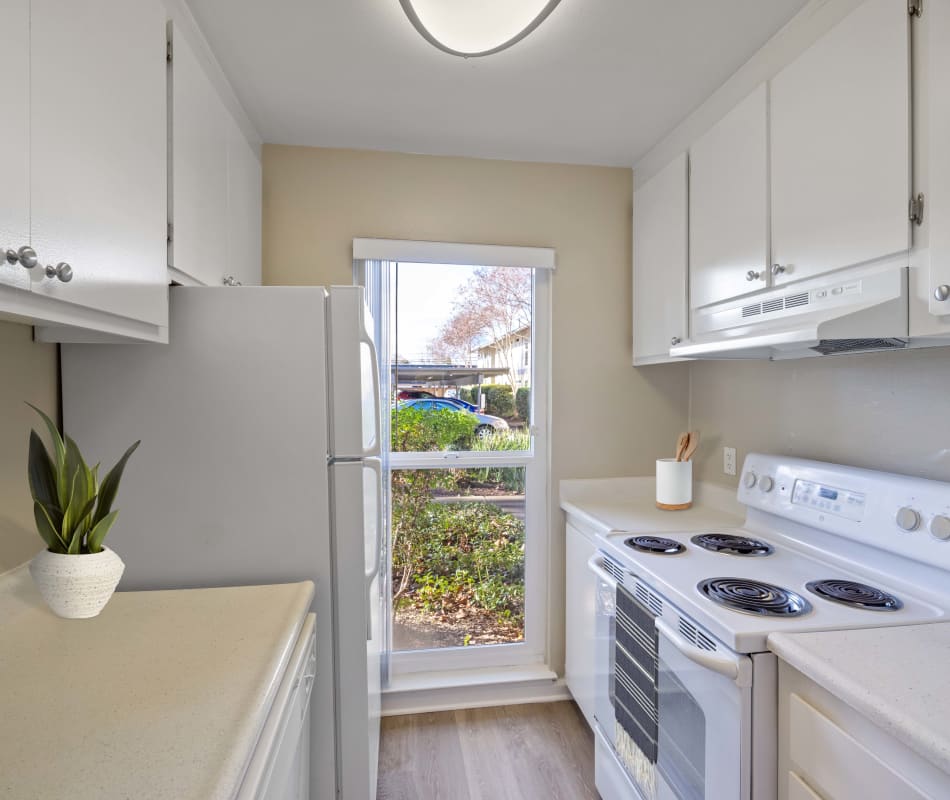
(675, 341)
(778, 269)
(942, 293)
(230, 281)
(25, 256)
(62, 271)
(752, 275)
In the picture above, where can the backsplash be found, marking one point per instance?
(29, 372)
(887, 411)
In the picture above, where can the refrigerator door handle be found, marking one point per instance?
(376, 465)
(376, 449)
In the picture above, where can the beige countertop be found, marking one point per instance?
(163, 695)
(896, 677)
(629, 504)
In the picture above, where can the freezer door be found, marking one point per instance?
(353, 376)
(357, 526)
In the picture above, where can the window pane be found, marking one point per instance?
(458, 557)
(461, 355)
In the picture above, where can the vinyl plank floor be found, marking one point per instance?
(523, 752)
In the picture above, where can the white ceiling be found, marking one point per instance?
(599, 82)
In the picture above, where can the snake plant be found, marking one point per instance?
(73, 511)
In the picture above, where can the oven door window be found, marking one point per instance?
(704, 718)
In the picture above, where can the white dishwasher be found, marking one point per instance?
(279, 768)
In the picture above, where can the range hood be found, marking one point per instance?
(856, 310)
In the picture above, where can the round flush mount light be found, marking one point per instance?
(475, 28)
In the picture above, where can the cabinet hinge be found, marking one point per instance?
(916, 211)
(168, 50)
(170, 233)
(915, 8)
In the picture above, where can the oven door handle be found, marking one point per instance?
(737, 668)
(596, 565)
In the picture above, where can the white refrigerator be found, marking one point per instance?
(259, 463)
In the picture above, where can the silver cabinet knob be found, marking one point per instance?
(230, 281)
(62, 271)
(752, 275)
(778, 269)
(908, 519)
(26, 256)
(675, 341)
(942, 293)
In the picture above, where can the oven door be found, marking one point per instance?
(705, 714)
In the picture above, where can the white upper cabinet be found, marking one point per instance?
(840, 148)
(728, 205)
(215, 204)
(98, 155)
(659, 264)
(199, 176)
(244, 208)
(15, 140)
(937, 201)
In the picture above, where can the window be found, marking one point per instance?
(468, 463)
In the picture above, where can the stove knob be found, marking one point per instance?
(908, 519)
(940, 528)
(766, 484)
(749, 479)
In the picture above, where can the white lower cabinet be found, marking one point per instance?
(829, 751)
(279, 768)
(580, 588)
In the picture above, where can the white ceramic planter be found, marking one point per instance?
(77, 587)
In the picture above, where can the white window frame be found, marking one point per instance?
(533, 649)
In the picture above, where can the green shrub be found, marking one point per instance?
(418, 430)
(468, 395)
(523, 403)
(499, 400)
(511, 478)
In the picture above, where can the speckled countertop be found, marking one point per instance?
(629, 504)
(896, 677)
(163, 695)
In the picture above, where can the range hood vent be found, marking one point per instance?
(830, 347)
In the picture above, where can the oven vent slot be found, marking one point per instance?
(695, 636)
(649, 599)
(773, 305)
(752, 311)
(612, 568)
(796, 300)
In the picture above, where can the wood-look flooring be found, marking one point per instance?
(539, 751)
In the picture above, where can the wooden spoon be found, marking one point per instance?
(691, 447)
(681, 444)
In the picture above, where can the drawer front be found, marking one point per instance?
(838, 766)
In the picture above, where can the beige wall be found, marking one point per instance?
(888, 411)
(608, 419)
(28, 371)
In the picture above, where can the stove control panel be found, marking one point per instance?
(830, 499)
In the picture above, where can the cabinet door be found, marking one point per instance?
(937, 208)
(15, 139)
(659, 264)
(840, 146)
(98, 153)
(728, 204)
(244, 208)
(579, 666)
(199, 154)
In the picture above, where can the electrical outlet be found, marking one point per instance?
(729, 460)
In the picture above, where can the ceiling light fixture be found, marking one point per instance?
(476, 28)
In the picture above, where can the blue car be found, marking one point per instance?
(487, 423)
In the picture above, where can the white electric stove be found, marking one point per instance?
(686, 700)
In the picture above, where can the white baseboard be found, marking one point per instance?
(419, 694)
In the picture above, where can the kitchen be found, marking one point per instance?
(561, 188)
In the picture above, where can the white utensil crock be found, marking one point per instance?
(674, 484)
(76, 587)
